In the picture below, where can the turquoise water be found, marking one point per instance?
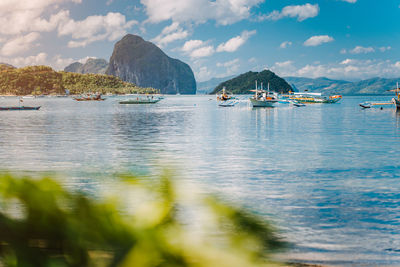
(327, 174)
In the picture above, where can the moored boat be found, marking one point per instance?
(396, 100)
(224, 95)
(307, 97)
(263, 98)
(20, 108)
(89, 97)
(141, 100)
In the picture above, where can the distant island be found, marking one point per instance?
(245, 82)
(43, 80)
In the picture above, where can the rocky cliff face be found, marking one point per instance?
(92, 65)
(144, 64)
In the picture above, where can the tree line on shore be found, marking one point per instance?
(43, 80)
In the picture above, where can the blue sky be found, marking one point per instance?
(340, 39)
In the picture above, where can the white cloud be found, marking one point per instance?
(285, 44)
(301, 12)
(349, 69)
(191, 45)
(170, 34)
(202, 74)
(318, 40)
(350, 1)
(18, 17)
(343, 51)
(204, 51)
(362, 50)
(39, 59)
(252, 60)
(233, 44)
(95, 28)
(231, 67)
(224, 12)
(385, 48)
(19, 44)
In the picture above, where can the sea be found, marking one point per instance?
(326, 175)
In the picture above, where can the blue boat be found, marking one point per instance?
(20, 108)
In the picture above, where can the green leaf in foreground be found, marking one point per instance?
(150, 222)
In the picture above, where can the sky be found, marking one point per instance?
(338, 39)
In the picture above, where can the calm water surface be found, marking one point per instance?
(328, 175)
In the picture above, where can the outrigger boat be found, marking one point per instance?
(306, 97)
(263, 98)
(142, 100)
(20, 107)
(375, 104)
(380, 104)
(89, 97)
(224, 96)
(396, 100)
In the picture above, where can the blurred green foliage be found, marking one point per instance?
(43, 80)
(151, 222)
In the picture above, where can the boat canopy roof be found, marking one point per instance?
(308, 93)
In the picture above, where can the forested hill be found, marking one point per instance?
(43, 80)
(243, 83)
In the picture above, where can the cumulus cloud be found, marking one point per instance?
(95, 28)
(385, 48)
(204, 51)
(350, 69)
(301, 12)
(233, 44)
(198, 49)
(39, 59)
(170, 34)
(318, 40)
(350, 1)
(285, 44)
(202, 74)
(191, 45)
(19, 44)
(231, 67)
(18, 17)
(362, 50)
(224, 12)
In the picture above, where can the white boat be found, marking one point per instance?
(263, 98)
(141, 100)
(396, 100)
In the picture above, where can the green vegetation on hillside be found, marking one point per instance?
(149, 223)
(43, 80)
(243, 83)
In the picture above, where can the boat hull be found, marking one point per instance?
(262, 103)
(139, 101)
(396, 102)
(20, 108)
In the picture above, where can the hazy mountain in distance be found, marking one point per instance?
(92, 65)
(206, 87)
(330, 86)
